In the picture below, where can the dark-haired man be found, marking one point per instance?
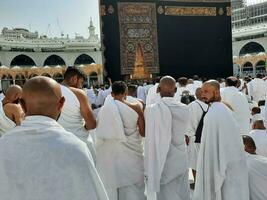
(132, 96)
(77, 116)
(238, 101)
(119, 149)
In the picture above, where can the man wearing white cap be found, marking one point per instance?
(259, 134)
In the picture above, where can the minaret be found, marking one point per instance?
(91, 29)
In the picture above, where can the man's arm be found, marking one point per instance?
(86, 111)
(14, 112)
(141, 118)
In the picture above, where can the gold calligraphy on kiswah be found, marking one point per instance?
(190, 11)
(133, 9)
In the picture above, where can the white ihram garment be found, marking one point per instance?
(260, 139)
(120, 152)
(196, 113)
(257, 171)
(153, 96)
(72, 120)
(141, 93)
(5, 123)
(257, 89)
(40, 160)
(239, 103)
(221, 168)
(134, 100)
(166, 163)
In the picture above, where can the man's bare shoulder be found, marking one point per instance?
(12, 107)
(135, 106)
(80, 94)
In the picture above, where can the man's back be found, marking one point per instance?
(257, 88)
(257, 170)
(40, 160)
(220, 176)
(240, 107)
(177, 161)
(260, 139)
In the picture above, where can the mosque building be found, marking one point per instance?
(249, 34)
(24, 54)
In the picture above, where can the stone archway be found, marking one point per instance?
(83, 59)
(247, 69)
(58, 77)
(251, 48)
(54, 60)
(46, 74)
(260, 67)
(23, 61)
(93, 78)
(20, 79)
(6, 81)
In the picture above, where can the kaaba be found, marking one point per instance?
(145, 38)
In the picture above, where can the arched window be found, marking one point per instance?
(236, 69)
(93, 78)
(58, 77)
(247, 69)
(20, 79)
(22, 60)
(84, 59)
(260, 67)
(32, 75)
(47, 75)
(251, 48)
(6, 81)
(54, 60)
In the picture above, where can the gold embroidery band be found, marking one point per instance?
(200, 1)
(190, 11)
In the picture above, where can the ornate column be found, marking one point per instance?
(100, 78)
(0, 84)
(254, 70)
(88, 80)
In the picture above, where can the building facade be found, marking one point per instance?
(24, 53)
(249, 33)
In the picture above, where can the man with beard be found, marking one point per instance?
(39, 159)
(221, 168)
(11, 113)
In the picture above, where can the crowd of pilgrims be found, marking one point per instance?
(134, 141)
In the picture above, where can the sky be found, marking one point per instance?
(50, 17)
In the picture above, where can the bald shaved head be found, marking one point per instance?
(42, 96)
(212, 83)
(13, 94)
(167, 86)
(198, 93)
(211, 91)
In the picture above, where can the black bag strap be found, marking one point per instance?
(200, 125)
